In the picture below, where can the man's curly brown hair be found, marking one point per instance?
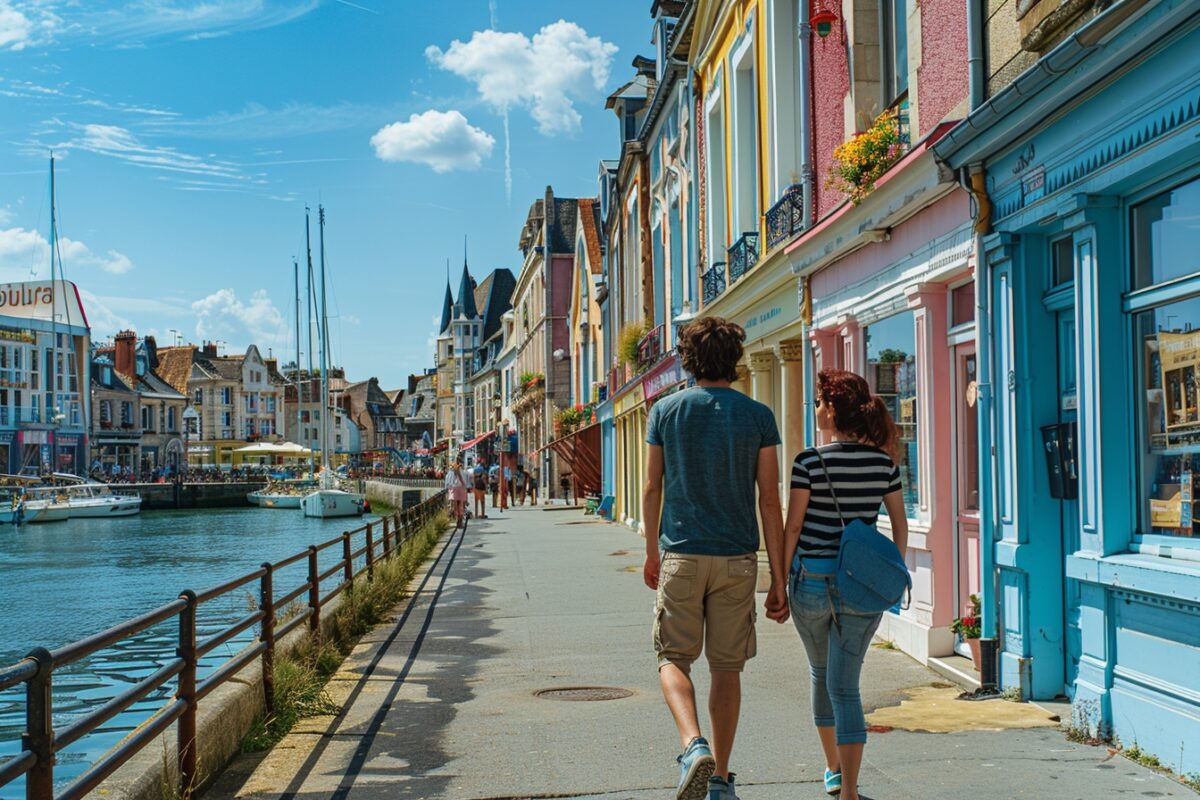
(710, 348)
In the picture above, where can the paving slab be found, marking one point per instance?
(443, 703)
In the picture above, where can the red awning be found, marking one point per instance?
(477, 440)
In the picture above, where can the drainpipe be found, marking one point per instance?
(975, 65)
(804, 34)
(975, 182)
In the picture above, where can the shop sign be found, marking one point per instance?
(42, 300)
(630, 400)
(7, 437)
(68, 440)
(663, 377)
(200, 448)
(777, 311)
(17, 335)
(35, 437)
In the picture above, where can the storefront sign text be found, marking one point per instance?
(663, 377)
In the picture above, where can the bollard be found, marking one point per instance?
(370, 555)
(267, 636)
(186, 739)
(39, 727)
(314, 592)
(348, 559)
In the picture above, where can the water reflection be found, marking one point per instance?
(66, 581)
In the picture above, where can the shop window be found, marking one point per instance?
(1062, 262)
(1164, 238)
(892, 373)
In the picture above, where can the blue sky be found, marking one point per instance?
(192, 133)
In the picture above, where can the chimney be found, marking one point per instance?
(124, 347)
(272, 365)
(209, 350)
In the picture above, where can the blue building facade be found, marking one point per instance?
(1089, 321)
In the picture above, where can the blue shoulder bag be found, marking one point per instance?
(871, 574)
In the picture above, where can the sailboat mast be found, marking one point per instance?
(51, 408)
(296, 371)
(324, 331)
(312, 467)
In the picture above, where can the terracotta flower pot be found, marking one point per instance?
(974, 645)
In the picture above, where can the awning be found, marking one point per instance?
(425, 451)
(581, 452)
(477, 440)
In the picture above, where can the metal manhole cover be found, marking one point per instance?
(577, 693)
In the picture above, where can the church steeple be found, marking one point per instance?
(446, 305)
(466, 290)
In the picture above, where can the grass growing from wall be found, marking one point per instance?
(301, 675)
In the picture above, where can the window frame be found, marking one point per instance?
(1136, 301)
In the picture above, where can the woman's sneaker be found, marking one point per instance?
(833, 782)
(696, 766)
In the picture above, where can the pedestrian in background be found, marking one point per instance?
(494, 484)
(846, 479)
(479, 489)
(716, 447)
(519, 480)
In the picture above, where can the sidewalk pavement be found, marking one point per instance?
(443, 703)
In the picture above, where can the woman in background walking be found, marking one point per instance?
(456, 487)
(846, 479)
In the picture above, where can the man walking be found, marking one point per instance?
(716, 446)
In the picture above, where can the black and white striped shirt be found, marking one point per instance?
(861, 475)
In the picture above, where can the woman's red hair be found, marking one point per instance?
(857, 412)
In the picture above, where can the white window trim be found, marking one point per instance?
(741, 57)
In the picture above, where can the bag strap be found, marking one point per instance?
(829, 480)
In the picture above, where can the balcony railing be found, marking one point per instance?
(743, 255)
(650, 348)
(786, 218)
(713, 282)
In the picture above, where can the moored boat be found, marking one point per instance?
(86, 498)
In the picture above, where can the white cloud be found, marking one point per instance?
(118, 142)
(442, 139)
(16, 30)
(222, 316)
(545, 74)
(6, 215)
(103, 320)
(194, 19)
(25, 252)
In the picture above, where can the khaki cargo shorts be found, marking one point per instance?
(706, 602)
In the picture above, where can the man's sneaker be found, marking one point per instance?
(722, 790)
(833, 782)
(696, 766)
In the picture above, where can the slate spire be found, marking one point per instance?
(466, 290)
(446, 304)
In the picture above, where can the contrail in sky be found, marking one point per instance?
(355, 5)
(504, 111)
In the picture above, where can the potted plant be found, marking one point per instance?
(627, 344)
(968, 628)
(862, 160)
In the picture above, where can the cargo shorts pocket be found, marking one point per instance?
(743, 577)
(677, 578)
(752, 636)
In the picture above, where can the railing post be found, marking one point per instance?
(39, 727)
(347, 558)
(385, 537)
(370, 555)
(266, 604)
(314, 592)
(187, 693)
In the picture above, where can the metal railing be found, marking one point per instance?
(743, 255)
(786, 218)
(713, 282)
(41, 741)
(650, 348)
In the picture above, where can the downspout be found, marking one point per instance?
(975, 182)
(804, 34)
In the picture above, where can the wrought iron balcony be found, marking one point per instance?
(743, 255)
(786, 218)
(650, 348)
(713, 282)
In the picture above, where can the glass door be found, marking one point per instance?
(966, 518)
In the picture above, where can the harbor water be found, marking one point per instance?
(64, 581)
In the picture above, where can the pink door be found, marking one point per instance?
(966, 417)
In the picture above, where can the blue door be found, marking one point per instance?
(1069, 520)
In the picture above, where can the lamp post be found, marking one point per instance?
(501, 449)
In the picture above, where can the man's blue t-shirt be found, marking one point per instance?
(710, 439)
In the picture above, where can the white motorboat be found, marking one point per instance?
(328, 500)
(280, 495)
(47, 511)
(14, 510)
(86, 498)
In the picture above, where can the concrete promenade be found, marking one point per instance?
(442, 703)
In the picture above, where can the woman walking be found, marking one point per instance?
(846, 479)
(456, 487)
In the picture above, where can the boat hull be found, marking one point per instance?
(49, 513)
(122, 507)
(265, 500)
(10, 516)
(329, 503)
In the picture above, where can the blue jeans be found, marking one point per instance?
(835, 656)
